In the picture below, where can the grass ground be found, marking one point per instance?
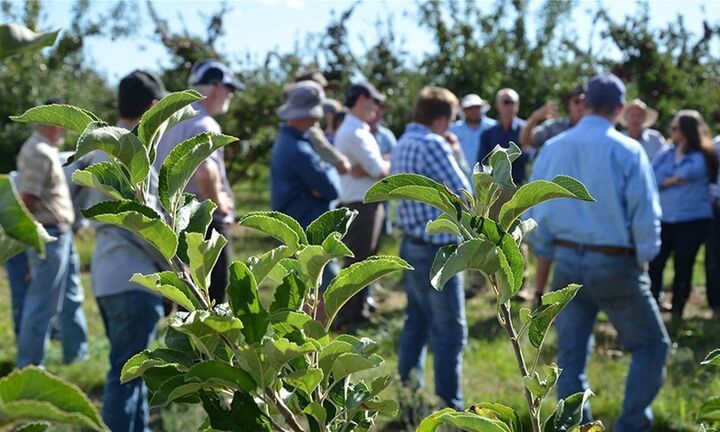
(489, 370)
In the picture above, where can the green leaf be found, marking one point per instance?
(35, 395)
(32, 427)
(538, 386)
(243, 416)
(277, 225)
(65, 116)
(290, 294)
(313, 258)
(166, 113)
(262, 265)
(170, 286)
(202, 255)
(305, 380)
(523, 229)
(18, 229)
(243, 298)
(280, 351)
(379, 384)
(500, 412)
(181, 163)
(442, 225)
(710, 410)
(203, 326)
(533, 193)
(464, 420)
(332, 221)
(141, 362)
(330, 353)
(493, 232)
(552, 304)
(15, 39)
(417, 188)
(484, 186)
(139, 219)
(223, 373)
(105, 177)
(357, 276)
(192, 217)
(387, 407)
(475, 254)
(316, 411)
(498, 164)
(350, 363)
(568, 413)
(174, 389)
(713, 358)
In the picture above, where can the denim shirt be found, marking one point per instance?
(617, 173)
(298, 176)
(690, 200)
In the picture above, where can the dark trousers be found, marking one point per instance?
(682, 240)
(712, 262)
(362, 238)
(219, 276)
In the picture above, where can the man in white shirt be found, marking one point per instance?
(469, 129)
(355, 140)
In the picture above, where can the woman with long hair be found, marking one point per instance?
(683, 172)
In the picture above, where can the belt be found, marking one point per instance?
(607, 250)
(62, 227)
(421, 242)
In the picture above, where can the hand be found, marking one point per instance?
(454, 142)
(545, 112)
(672, 181)
(225, 205)
(343, 166)
(357, 171)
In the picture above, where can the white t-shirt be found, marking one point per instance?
(358, 144)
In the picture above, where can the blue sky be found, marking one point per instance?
(256, 27)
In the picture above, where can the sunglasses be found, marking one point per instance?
(577, 101)
(508, 102)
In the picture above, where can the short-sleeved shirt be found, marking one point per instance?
(355, 141)
(652, 141)
(41, 175)
(202, 122)
(548, 129)
(469, 137)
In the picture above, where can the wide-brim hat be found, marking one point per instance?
(304, 99)
(651, 115)
(473, 100)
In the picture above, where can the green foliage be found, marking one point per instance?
(15, 39)
(492, 248)
(18, 229)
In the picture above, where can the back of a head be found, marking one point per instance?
(136, 93)
(604, 94)
(433, 103)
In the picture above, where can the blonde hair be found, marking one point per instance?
(433, 103)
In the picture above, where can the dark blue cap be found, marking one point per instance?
(605, 90)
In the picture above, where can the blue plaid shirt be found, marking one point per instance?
(424, 152)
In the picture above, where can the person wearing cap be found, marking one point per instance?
(605, 246)
(129, 311)
(507, 129)
(301, 184)
(473, 124)
(212, 79)
(432, 316)
(54, 286)
(638, 118)
(355, 140)
(319, 138)
(542, 124)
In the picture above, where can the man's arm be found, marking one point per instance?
(208, 180)
(366, 152)
(643, 208)
(29, 200)
(538, 116)
(315, 175)
(327, 151)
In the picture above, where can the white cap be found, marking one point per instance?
(473, 100)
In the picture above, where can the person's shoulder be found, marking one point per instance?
(458, 125)
(655, 134)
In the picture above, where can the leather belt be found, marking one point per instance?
(607, 250)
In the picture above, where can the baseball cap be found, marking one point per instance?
(137, 90)
(473, 100)
(213, 72)
(304, 99)
(605, 90)
(363, 89)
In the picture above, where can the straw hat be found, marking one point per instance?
(651, 115)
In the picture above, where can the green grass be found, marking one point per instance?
(489, 367)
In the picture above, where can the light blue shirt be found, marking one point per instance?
(469, 137)
(617, 173)
(687, 201)
(385, 139)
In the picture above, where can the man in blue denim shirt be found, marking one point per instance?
(130, 312)
(437, 317)
(605, 246)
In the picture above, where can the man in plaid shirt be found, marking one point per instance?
(438, 317)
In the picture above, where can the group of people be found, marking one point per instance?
(655, 198)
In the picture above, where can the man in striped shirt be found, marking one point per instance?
(438, 317)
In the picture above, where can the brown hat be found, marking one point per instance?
(651, 115)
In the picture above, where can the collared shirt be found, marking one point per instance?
(421, 151)
(469, 137)
(119, 253)
(617, 173)
(297, 176)
(354, 140)
(202, 122)
(496, 135)
(385, 139)
(549, 129)
(652, 141)
(690, 200)
(42, 176)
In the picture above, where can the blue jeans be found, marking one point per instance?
(432, 316)
(617, 286)
(54, 288)
(18, 271)
(130, 318)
